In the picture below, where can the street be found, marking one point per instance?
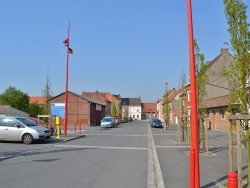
(114, 157)
(109, 158)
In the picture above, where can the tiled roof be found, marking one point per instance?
(174, 94)
(131, 101)
(148, 107)
(38, 100)
(83, 97)
(95, 95)
(109, 97)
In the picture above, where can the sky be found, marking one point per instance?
(126, 47)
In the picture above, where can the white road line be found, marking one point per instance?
(101, 147)
(115, 135)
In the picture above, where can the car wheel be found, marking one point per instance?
(27, 139)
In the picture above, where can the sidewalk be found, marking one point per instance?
(174, 159)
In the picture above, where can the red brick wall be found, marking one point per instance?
(78, 109)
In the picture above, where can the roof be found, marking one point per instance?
(173, 94)
(216, 102)
(95, 96)
(223, 51)
(131, 101)
(83, 97)
(37, 99)
(148, 107)
(110, 97)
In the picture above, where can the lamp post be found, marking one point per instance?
(194, 150)
(69, 51)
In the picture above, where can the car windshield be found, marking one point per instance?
(156, 120)
(27, 122)
(106, 119)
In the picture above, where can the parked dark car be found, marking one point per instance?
(130, 119)
(156, 123)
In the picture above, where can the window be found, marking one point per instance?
(11, 122)
(222, 114)
(137, 116)
(1, 122)
(137, 110)
(188, 96)
(208, 115)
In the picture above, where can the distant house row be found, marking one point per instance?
(90, 107)
(215, 100)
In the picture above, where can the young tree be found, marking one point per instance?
(47, 94)
(166, 109)
(126, 113)
(15, 98)
(114, 111)
(201, 81)
(239, 73)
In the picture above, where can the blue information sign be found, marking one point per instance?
(57, 109)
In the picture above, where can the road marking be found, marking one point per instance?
(101, 147)
(115, 135)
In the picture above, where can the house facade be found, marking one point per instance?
(148, 110)
(131, 106)
(159, 109)
(215, 100)
(97, 96)
(217, 95)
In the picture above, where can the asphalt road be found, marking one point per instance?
(133, 155)
(110, 158)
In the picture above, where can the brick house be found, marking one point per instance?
(215, 101)
(174, 104)
(217, 95)
(106, 98)
(148, 110)
(159, 109)
(81, 109)
(115, 102)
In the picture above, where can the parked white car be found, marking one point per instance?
(108, 122)
(14, 128)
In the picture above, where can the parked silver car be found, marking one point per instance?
(108, 122)
(21, 129)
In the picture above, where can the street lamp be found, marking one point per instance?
(69, 51)
(194, 149)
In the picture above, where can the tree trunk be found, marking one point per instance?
(230, 142)
(239, 153)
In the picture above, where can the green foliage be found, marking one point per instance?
(114, 111)
(35, 109)
(201, 77)
(235, 11)
(126, 112)
(239, 73)
(15, 98)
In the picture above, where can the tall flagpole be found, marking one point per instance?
(194, 150)
(69, 50)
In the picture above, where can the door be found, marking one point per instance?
(13, 129)
(2, 127)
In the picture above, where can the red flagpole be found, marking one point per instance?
(194, 150)
(66, 90)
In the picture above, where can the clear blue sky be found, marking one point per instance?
(126, 47)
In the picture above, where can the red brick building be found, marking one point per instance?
(148, 110)
(81, 109)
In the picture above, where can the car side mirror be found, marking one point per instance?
(18, 126)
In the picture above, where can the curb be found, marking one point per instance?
(155, 179)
